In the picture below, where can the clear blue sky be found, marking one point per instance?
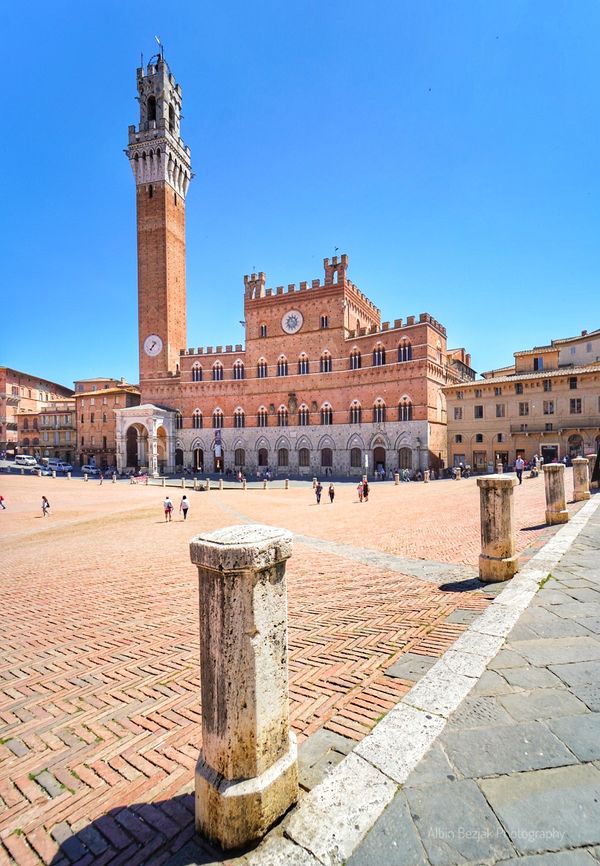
(451, 149)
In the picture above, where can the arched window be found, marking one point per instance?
(304, 457)
(378, 355)
(151, 108)
(405, 410)
(355, 360)
(263, 330)
(404, 350)
(326, 414)
(196, 372)
(261, 369)
(217, 372)
(282, 417)
(239, 457)
(178, 420)
(325, 363)
(197, 419)
(282, 366)
(355, 412)
(238, 370)
(171, 118)
(303, 416)
(326, 458)
(324, 322)
(303, 365)
(379, 412)
(405, 458)
(263, 457)
(239, 418)
(218, 419)
(479, 438)
(262, 417)
(283, 457)
(355, 458)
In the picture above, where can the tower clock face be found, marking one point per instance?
(153, 345)
(292, 321)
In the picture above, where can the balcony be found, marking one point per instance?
(569, 422)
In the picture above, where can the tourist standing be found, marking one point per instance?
(318, 491)
(184, 506)
(168, 506)
(2, 502)
(45, 506)
(359, 489)
(331, 492)
(366, 490)
(519, 466)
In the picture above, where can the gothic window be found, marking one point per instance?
(355, 412)
(238, 370)
(325, 364)
(405, 410)
(379, 412)
(282, 367)
(303, 365)
(304, 457)
(355, 458)
(217, 372)
(178, 420)
(239, 418)
(263, 330)
(151, 108)
(196, 373)
(283, 457)
(378, 356)
(355, 360)
(262, 417)
(218, 419)
(326, 414)
(239, 457)
(324, 322)
(303, 416)
(263, 457)
(197, 419)
(261, 369)
(282, 417)
(404, 351)
(326, 458)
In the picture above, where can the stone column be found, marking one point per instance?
(457, 473)
(497, 560)
(556, 503)
(246, 775)
(581, 479)
(85, 476)
(207, 485)
(162, 481)
(183, 480)
(396, 478)
(114, 478)
(244, 484)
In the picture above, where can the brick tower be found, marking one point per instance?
(162, 170)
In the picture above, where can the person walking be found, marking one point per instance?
(519, 466)
(331, 492)
(2, 502)
(359, 490)
(184, 506)
(318, 491)
(168, 506)
(366, 490)
(45, 506)
(101, 478)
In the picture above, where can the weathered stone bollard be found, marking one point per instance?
(246, 775)
(183, 480)
(581, 479)
(265, 484)
(286, 484)
(23, 472)
(114, 478)
(556, 503)
(457, 473)
(426, 476)
(220, 483)
(497, 560)
(591, 458)
(68, 475)
(314, 483)
(244, 484)
(396, 478)
(207, 485)
(499, 468)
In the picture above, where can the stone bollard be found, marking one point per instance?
(246, 775)
(591, 458)
(556, 503)
(68, 475)
(114, 478)
(396, 478)
(497, 560)
(286, 484)
(183, 481)
(195, 483)
(457, 473)
(162, 482)
(244, 484)
(265, 484)
(426, 476)
(499, 469)
(314, 483)
(220, 483)
(85, 476)
(581, 479)
(207, 485)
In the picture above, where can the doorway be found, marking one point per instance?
(549, 453)
(379, 459)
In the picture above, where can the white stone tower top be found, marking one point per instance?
(156, 150)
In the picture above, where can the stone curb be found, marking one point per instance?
(334, 817)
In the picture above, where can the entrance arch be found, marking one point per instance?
(178, 458)
(405, 460)
(161, 450)
(379, 458)
(198, 459)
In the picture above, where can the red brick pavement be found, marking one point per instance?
(99, 685)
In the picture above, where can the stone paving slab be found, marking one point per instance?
(541, 704)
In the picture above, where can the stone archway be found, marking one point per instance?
(379, 458)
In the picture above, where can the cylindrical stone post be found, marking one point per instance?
(287, 484)
(426, 476)
(458, 473)
(244, 484)
(246, 775)
(23, 472)
(183, 480)
(265, 484)
(68, 474)
(556, 502)
(207, 485)
(85, 476)
(220, 483)
(499, 468)
(114, 478)
(497, 560)
(314, 482)
(396, 478)
(581, 479)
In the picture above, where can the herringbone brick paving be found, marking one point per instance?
(99, 681)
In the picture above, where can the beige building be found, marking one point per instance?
(546, 403)
(23, 392)
(96, 401)
(49, 432)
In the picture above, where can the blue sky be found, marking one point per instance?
(451, 149)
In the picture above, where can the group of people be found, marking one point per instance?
(319, 492)
(184, 507)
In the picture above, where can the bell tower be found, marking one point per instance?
(161, 165)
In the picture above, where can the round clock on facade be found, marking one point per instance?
(292, 321)
(153, 345)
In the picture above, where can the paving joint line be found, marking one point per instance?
(334, 817)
